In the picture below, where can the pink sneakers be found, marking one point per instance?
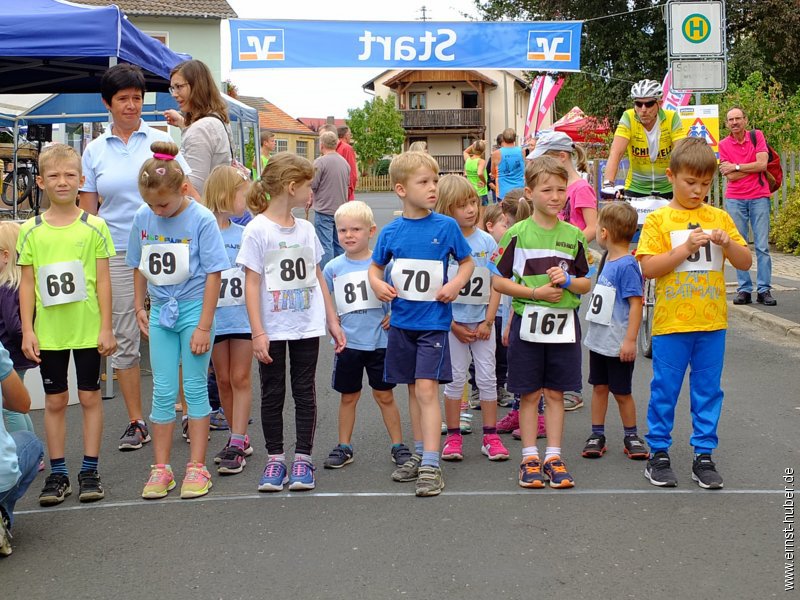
(453, 447)
(493, 448)
(508, 423)
(541, 430)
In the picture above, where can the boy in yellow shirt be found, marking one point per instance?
(683, 246)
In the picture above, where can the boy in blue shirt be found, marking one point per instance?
(614, 316)
(20, 451)
(364, 320)
(420, 242)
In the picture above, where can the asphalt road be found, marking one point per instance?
(360, 535)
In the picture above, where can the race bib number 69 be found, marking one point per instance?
(165, 264)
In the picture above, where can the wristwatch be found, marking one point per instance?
(738, 168)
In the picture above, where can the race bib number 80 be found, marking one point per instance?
(547, 325)
(290, 269)
(418, 280)
(61, 283)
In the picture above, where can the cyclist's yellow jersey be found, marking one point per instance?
(645, 175)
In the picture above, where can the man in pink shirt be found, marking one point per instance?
(747, 199)
(346, 150)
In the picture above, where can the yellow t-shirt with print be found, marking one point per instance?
(689, 300)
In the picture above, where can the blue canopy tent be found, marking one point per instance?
(49, 46)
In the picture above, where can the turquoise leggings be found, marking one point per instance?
(17, 421)
(169, 349)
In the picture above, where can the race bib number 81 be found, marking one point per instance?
(61, 283)
(290, 269)
(353, 292)
(547, 325)
(418, 280)
(707, 258)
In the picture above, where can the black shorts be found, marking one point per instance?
(611, 371)
(349, 366)
(533, 366)
(56, 362)
(232, 336)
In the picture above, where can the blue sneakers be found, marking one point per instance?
(274, 477)
(302, 477)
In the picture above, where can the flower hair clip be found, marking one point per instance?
(161, 171)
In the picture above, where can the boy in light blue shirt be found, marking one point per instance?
(365, 320)
(20, 451)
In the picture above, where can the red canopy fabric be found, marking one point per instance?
(582, 128)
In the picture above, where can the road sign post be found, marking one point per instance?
(696, 45)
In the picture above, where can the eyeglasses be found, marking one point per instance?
(648, 104)
(174, 89)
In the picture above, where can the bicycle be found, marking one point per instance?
(644, 206)
(24, 175)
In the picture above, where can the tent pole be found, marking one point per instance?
(15, 157)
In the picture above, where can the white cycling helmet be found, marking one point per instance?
(646, 88)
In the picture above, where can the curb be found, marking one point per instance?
(783, 327)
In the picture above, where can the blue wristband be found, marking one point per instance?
(567, 283)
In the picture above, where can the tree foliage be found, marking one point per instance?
(377, 130)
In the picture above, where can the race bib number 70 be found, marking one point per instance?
(418, 280)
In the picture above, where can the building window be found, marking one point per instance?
(417, 100)
(302, 148)
(281, 145)
(469, 99)
(161, 36)
(466, 142)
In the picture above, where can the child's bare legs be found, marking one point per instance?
(600, 404)
(55, 424)
(430, 413)
(627, 409)
(198, 433)
(92, 407)
(414, 413)
(162, 441)
(390, 414)
(220, 356)
(241, 362)
(553, 416)
(489, 413)
(452, 412)
(528, 414)
(347, 417)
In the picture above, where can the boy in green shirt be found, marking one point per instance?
(64, 258)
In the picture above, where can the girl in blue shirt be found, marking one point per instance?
(178, 252)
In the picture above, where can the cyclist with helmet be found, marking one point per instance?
(648, 133)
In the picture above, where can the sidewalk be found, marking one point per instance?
(784, 319)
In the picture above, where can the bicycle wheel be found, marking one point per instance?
(646, 328)
(25, 185)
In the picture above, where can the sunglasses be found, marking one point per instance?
(648, 104)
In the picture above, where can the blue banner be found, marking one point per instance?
(536, 45)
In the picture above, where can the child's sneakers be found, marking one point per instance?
(401, 454)
(218, 421)
(340, 456)
(595, 446)
(493, 447)
(274, 477)
(134, 436)
(232, 460)
(160, 482)
(5, 534)
(56, 489)
(408, 471)
(196, 482)
(541, 429)
(429, 481)
(302, 477)
(90, 488)
(248, 449)
(556, 471)
(635, 448)
(453, 447)
(508, 423)
(659, 470)
(530, 473)
(704, 472)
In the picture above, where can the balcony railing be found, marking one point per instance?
(442, 118)
(450, 163)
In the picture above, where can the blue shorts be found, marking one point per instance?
(349, 366)
(610, 371)
(533, 366)
(412, 355)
